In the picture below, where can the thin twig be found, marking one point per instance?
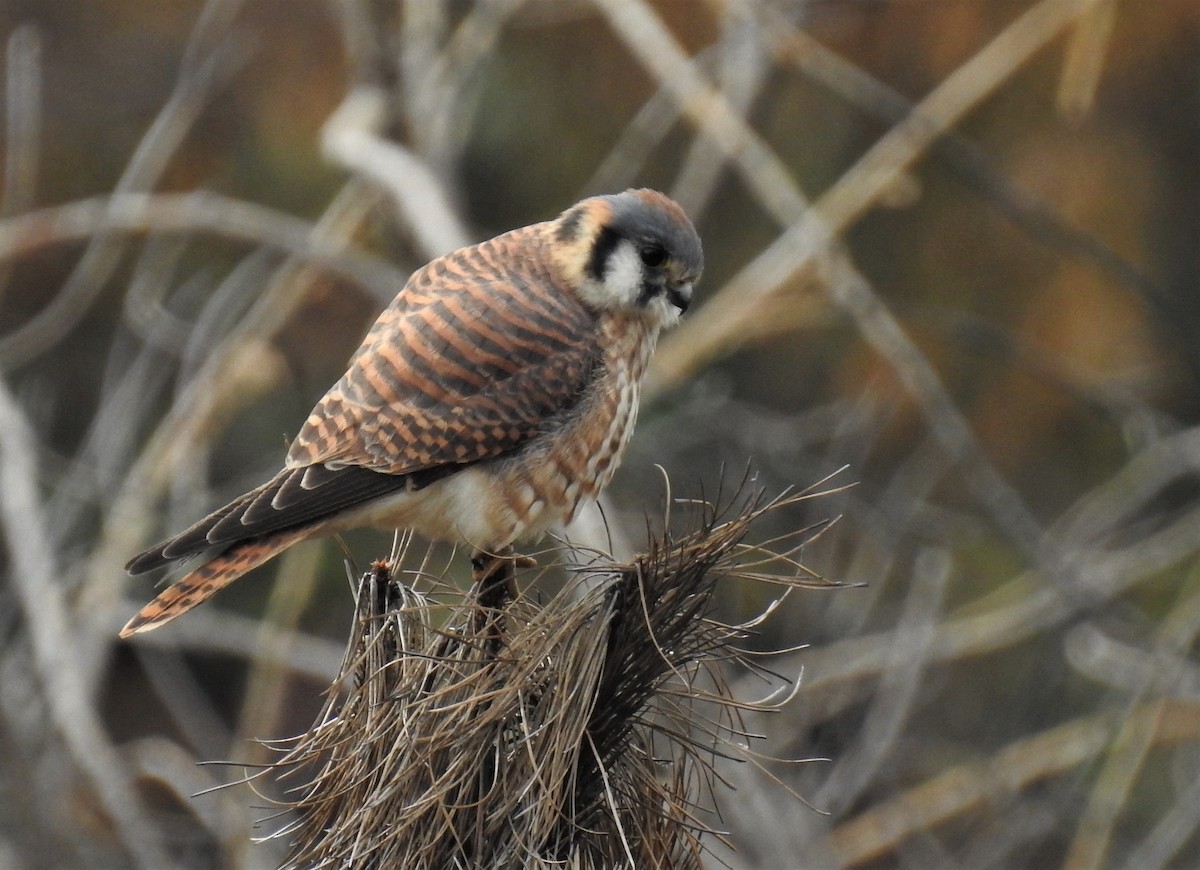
(351, 138)
(23, 126)
(1127, 755)
(1026, 605)
(899, 682)
(1040, 220)
(33, 573)
(720, 324)
(148, 162)
(224, 381)
(726, 320)
(194, 213)
(23, 119)
(960, 789)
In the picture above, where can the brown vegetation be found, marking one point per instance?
(951, 245)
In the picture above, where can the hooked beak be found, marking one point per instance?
(680, 295)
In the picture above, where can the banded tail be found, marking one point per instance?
(211, 577)
(292, 506)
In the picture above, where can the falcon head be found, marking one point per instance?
(634, 252)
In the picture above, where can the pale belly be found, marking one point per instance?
(492, 504)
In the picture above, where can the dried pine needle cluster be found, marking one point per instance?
(519, 734)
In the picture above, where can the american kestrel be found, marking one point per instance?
(495, 394)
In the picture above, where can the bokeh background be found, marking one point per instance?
(953, 246)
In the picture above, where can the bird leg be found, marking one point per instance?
(490, 570)
(496, 587)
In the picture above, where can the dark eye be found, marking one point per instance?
(653, 256)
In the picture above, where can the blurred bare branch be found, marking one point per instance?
(351, 137)
(1085, 60)
(1038, 218)
(232, 374)
(23, 115)
(729, 319)
(899, 680)
(1171, 833)
(1002, 355)
(32, 568)
(705, 106)
(198, 212)
(742, 69)
(231, 634)
(23, 127)
(1024, 606)
(439, 66)
(1132, 743)
(144, 168)
(961, 789)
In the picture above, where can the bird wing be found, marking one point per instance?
(473, 359)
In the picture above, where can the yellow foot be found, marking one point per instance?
(485, 566)
(495, 588)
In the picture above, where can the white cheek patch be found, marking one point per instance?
(663, 312)
(623, 275)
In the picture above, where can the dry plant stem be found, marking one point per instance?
(22, 128)
(23, 119)
(264, 700)
(721, 324)
(148, 162)
(168, 763)
(946, 422)
(880, 168)
(764, 174)
(351, 138)
(1126, 666)
(193, 213)
(437, 70)
(899, 681)
(638, 139)
(648, 38)
(169, 676)
(52, 634)
(434, 72)
(730, 319)
(742, 69)
(145, 308)
(537, 735)
(231, 634)
(1085, 60)
(422, 34)
(362, 39)
(212, 27)
(886, 521)
(1131, 745)
(833, 671)
(880, 830)
(1041, 221)
(298, 578)
(1027, 605)
(221, 385)
(1171, 832)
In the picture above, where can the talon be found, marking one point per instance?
(494, 575)
(485, 565)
